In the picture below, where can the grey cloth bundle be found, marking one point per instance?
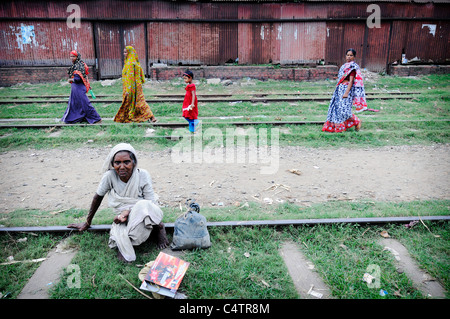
(190, 230)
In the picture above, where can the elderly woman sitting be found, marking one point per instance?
(131, 195)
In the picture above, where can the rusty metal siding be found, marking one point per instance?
(210, 44)
(195, 35)
(341, 36)
(134, 35)
(429, 41)
(112, 39)
(109, 50)
(262, 37)
(116, 9)
(399, 36)
(228, 42)
(163, 42)
(244, 42)
(376, 50)
(256, 41)
(64, 39)
(353, 37)
(175, 10)
(301, 42)
(429, 45)
(189, 44)
(24, 9)
(260, 11)
(43, 43)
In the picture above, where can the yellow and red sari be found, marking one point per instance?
(134, 108)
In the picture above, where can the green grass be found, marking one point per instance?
(343, 253)
(422, 120)
(14, 277)
(252, 211)
(245, 263)
(372, 135)
(223, 271)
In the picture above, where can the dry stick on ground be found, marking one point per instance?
(145, 295)
(437, 236)
(23, 261)
(60, 211)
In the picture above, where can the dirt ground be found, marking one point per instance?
(61, 179)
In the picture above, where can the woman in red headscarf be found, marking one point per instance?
(79, 108)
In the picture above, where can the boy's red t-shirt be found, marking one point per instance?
(191, 114)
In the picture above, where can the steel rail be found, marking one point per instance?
(180, 100)
(251, 223)
(180, 125)
(172, 125)
(259, 94)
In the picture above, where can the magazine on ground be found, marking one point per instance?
(165, 275)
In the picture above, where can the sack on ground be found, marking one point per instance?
(190, 231)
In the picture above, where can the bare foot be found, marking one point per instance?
(161, 241)
(358, 126)
(120, 257)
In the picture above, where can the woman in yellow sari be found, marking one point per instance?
(134, 108)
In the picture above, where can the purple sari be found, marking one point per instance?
(80, 108)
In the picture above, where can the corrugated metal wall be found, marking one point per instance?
(31, 42)
(213, 33)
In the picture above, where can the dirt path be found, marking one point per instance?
(310, 285)
(307, 281)
(49, 272)
(60, 179)
(421, 279)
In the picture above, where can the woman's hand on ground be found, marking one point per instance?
(80, 226)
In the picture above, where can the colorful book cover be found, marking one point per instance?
(167, 271)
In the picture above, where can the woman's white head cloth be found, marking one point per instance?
(119, 147)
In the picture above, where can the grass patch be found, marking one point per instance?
(373, 135)
(14, 277)
(341, 252)
(421, 120)
(245, 263)
(252, 211)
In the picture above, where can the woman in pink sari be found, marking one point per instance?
(349, 91)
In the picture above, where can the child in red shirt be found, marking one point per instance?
(190, 107)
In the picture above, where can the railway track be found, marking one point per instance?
(251, 223)
(176, 95)
(183, 124)
(178, 98)
(210, 98)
